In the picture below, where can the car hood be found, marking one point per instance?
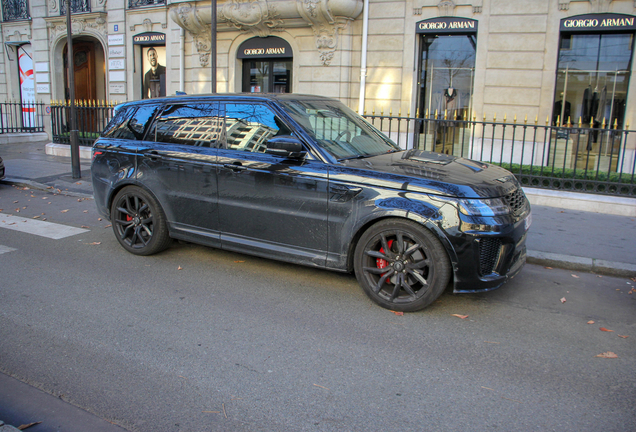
(434, 173)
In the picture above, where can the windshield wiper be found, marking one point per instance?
(354, 157)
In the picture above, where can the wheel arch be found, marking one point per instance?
(121, 185)
(427, 223)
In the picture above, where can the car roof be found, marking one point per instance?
(252, 97)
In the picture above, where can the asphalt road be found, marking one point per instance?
(196, 339)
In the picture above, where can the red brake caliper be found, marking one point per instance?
(381, 263)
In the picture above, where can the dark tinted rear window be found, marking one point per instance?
(130, 122)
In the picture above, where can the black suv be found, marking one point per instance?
(304, 179)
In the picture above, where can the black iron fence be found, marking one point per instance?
(577, 158)
(92, 118)
(17, 117)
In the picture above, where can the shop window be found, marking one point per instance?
(592, 79)
(267, 76)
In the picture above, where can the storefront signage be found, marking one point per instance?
(266, 47)
(116, 51)
(598, 22)
(447, 25)
(150, 39)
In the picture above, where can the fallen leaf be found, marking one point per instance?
(96, 243)
(28, 425)
(84, 226)
(604, 329)
(549, 268)
(397, 313)
(590, 322)
(239, 261)
(575, 276)
(322, 386)
(64, 211)
(563, 300)
(108, 226)
(608, 355)
(99, 219)
(622, 336)
(36, 217)
(460, 316)
(85, 211)
(179, 268)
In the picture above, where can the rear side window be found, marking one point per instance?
(195, 124)
(130, 122)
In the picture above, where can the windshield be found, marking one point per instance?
(338, 129)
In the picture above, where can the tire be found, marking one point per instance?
(401, 265)
(139, 222)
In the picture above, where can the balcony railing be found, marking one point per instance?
(76, 6)
(134, 4)
(14, 10)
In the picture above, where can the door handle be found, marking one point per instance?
(153, 155)
(236, 167)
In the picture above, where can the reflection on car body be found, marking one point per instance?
(306, 180)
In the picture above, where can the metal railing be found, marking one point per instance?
(134, 4)
(15, 10)
(18, 117)
(92, 118)
(76, 6)
(579, 158)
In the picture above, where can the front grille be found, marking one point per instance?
(489, 250)
(516, 201)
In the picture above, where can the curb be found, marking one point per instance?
(43, 187)
(589, 265)
(7, 428)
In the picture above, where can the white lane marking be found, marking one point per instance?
(5, 249)
(32, 226)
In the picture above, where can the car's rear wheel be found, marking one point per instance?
(138, 222)
(401, 265)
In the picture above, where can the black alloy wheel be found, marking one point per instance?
(138, 222)
(401, 265)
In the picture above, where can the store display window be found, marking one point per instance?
(267, 65)
(593, 72)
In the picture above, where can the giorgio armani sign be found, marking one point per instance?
(447, 25)
(598, 22)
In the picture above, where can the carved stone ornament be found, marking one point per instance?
(564, 5)
(263, 17)
(254, 16)
(446, 8)
(93, 24)
(600, 6)
(54, 6)
(147, 25)
(13, 34)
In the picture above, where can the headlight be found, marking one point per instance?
(483, 207)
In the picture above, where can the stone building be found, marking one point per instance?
(545, 59)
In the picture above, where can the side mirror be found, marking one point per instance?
(285, 146)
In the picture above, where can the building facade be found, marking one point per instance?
(551, 60)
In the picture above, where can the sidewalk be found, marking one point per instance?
(583, 232)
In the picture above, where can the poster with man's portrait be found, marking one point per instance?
(154, 72)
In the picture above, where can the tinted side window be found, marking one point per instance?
(196, 124)
(248, 126)
(130, 122)
(121, 116)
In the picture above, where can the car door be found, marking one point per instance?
(269, 205)
(179, 167)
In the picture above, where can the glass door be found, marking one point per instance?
(267, 76)
(447, 65)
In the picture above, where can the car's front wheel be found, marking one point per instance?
(401, 265)
(139, 222)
